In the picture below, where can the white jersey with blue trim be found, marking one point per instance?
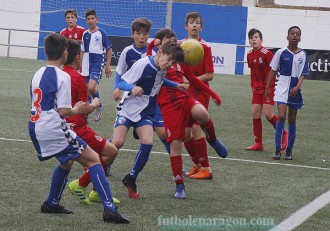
(289, 67)
(146, 74)
(50, 89)
(94, 45)
(129, 56)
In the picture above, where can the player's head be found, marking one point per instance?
(166, 35)
(73, 53)
(56, 47)
(294, 35)
(91, 18)
(255, 38)
(71, 17)
(169, 52)
(141, 31)
(194, 24)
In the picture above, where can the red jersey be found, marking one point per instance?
(259, 61)
(75, 34)
(78, 93)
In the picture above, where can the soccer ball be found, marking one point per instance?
(193, 51)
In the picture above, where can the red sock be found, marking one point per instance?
(176, 164)
(201, 149)
(85, 179)
(208, 128)
(105, 167)
(273, 121)
(257, 130)
(190, 146)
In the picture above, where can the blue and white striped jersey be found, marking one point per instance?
(50, 89)
(290, 67)
(94, 45)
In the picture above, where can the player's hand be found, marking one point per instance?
(157, 42)
(267, 92)
(293, 91)
(217, 101)
(96, 102)
(137, 91)
(79, 107)
(116, 94)
(183, 86)
(108, 71)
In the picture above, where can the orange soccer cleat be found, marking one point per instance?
(202, 174)
(284, 139)
(255, 147)
(193, 171)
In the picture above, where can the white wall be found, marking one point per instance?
(274, 24)
(18, 14)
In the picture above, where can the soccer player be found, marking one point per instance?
(106, 150)
(94, 43)
(196, 145)
(72, 31)
(141, 83)
(292, 66)
(258, 60)
(50, 92)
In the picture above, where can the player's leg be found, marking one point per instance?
(176, 165)
(189, 144)
(257, 124)
(94, 80)
(292, 115)
(281, 107)
(158, 124)
(145, 131)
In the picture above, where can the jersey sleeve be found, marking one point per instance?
(63, 94)
(105, 41)
(305, 71)
(122, 65)
(208, 60)
(135, 72)
(82, 90)
(150, 47)
(275, 63)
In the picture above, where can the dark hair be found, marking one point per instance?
(141, 24)
(72, 11)
(174, 50)
(254, 31)
(90, 12)
(73, 51)
(55, 45)
(165, 33)
(194, 15)
(294, 27)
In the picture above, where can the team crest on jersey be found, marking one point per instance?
(99, 138)
(121, 120)
(260, 60)
(97, 38)
(300, 60)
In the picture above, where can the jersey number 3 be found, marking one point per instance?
(37, 97)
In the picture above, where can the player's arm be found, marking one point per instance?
(206, 77)
(151, 45)
(197, 83)
(116, 90)
(271, 76)
(171, 84)
(107, 65)
(78, 108)
(209, 70)
(82, 95)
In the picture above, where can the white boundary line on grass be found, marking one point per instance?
(4, 69)
(210, 157)
(298, 217)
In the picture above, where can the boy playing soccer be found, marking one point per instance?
(292, 66)
(72, 31)
(258, 60)
(106, 150)
(141, 83)
(51, 136)
(196, 145)
(95, 42)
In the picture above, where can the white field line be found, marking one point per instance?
(210, 157)
(301, 215)
(4, 69)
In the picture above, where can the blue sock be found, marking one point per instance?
(140, 160)
(167, 145)
(59, 180)
(278, 134)
(97, 94)
(292, 136)
(102, 186)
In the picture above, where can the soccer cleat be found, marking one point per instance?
(288, 154)
(255, 147)
(46, 208)
(193, 170)
(131, 187)
(135, 135)
(79, 192)
(98, 114)
(94, 196)
(284, 139)
(220, 148)
(114, 217)
(180, 193)
(202, 174)
(277, 155)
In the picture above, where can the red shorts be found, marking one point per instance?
(175, 121)
(202, 97)
(261, 98)
(95, 141)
